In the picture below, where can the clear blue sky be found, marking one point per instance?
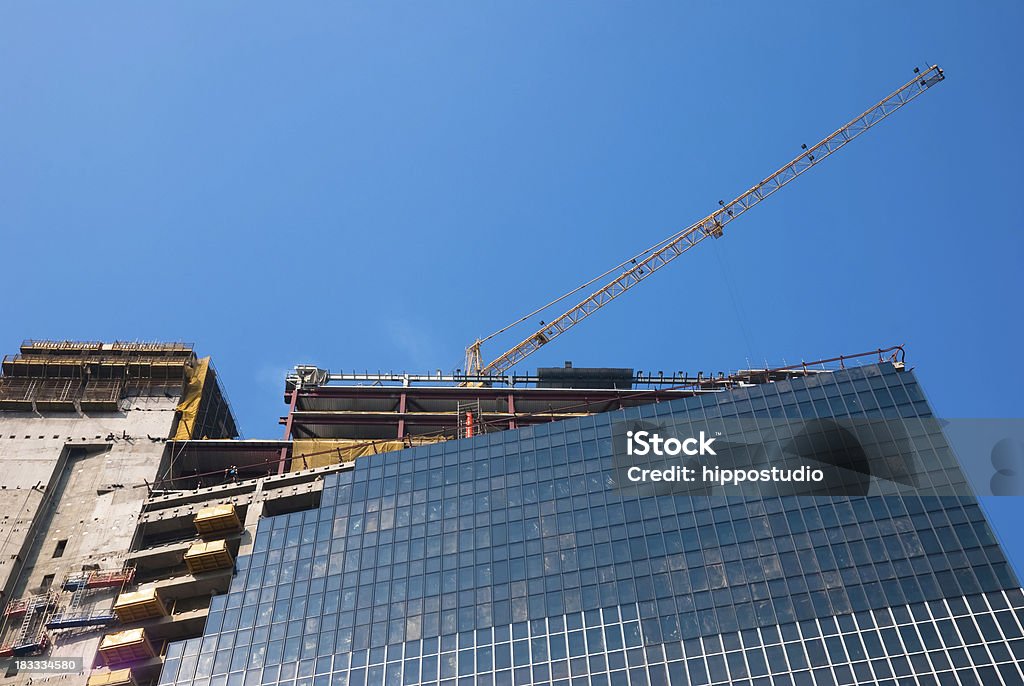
(372, 186)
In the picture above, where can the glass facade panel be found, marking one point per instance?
(512, 558)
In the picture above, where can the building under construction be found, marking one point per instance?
(159, 555)
(84, 430)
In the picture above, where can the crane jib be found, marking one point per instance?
(712, 225)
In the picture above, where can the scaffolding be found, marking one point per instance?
(470, 419)
(68, 375)
(30, 636)
(99, 578)
(20, 606)
(80, 611)
(88, 376)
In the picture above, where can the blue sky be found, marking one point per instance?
(372, 186)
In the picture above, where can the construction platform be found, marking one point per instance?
(91, 376)
(388, 406)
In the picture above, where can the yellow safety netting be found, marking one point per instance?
(321, 452)
(190, 399)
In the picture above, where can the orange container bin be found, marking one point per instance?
(217, 519)
(139, 605)
(207, 556)
(116, 677)
(125, 646)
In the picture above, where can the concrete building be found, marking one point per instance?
(84, 430)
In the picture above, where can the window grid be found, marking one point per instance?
(423, 554)
(621, 640)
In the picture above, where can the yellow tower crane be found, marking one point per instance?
(646, 263)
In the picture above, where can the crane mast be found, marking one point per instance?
(710, 226)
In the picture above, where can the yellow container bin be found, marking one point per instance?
(125, 646)
(207, 556)
(139, 605)
(116, 677)
(217, 519)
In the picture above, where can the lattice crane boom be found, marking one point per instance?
(710, 226)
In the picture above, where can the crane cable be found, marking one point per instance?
(621, 265)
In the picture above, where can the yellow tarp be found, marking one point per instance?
(321, 452)
(190, 399)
